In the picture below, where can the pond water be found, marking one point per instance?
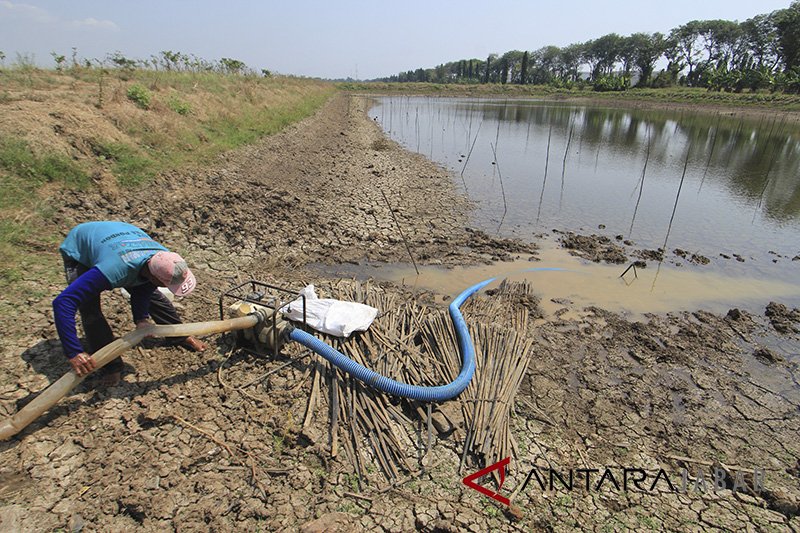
(729, 183)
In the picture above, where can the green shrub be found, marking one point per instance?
(139, 95)
(179, 106)
(612, 82)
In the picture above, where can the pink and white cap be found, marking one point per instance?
(171, 269)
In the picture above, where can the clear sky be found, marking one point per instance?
(338, 38)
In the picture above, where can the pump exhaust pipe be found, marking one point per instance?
(266, 330)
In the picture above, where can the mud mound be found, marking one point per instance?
(782, 318)
(595, 248)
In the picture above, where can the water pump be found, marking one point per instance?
(256, 297)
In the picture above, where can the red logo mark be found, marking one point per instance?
(469, 481)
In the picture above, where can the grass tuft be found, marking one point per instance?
(179, 106)
(129, 165)
(23, 171)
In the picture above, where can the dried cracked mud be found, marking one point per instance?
(705, 407)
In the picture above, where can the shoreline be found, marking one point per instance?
(733, 109)
(566, 279)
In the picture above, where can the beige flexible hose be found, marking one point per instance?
(57, 390)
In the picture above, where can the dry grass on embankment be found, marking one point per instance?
(114, 130)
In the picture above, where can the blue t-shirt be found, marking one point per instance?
(117, 249)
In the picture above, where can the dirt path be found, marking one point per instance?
(176, 446)
(315, 194)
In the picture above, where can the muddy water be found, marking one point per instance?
(578, 283)
(533, 166)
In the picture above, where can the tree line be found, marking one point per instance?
(762, 52)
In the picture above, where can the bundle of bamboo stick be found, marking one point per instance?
(416, 344)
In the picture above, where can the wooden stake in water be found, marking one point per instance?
(597, 155)
(528, 135)
(564, 164)
(405, 241)
(677, 197)
(641, 182)
(710, 154)
(544, 181)
(502, 189)
(431, 119)
(469, 154)
(416, 125)
(672, 217)
(766, 181)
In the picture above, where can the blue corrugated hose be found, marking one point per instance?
(389, 386)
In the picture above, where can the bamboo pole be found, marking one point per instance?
(500, 175)
(400, 229)
(710, 155)
(677, 198)
(564, 164)
(469, 154)
(544, 180)
(641, 182)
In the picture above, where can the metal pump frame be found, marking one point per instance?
(264, 295)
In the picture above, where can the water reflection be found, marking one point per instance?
(538, 165)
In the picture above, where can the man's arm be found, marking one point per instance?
(87, 286)
(140, 302)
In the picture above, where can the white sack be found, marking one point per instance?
(330, 316)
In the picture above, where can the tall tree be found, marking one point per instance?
(787, 25)
(685, 41)
(523, 75)
(647, 49)
(719, 38)
(673, 53)
(570, 60)
(607, 50)
(546, 65)
(439, 74)
(590, 57)
(510, 66)
(761, 39)
(627, 54)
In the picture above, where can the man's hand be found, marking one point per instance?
(143, 324)
(82, 364)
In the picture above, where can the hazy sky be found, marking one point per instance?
(338, 38)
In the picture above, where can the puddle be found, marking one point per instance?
(578, 283)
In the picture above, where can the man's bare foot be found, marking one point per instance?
(194, 344)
